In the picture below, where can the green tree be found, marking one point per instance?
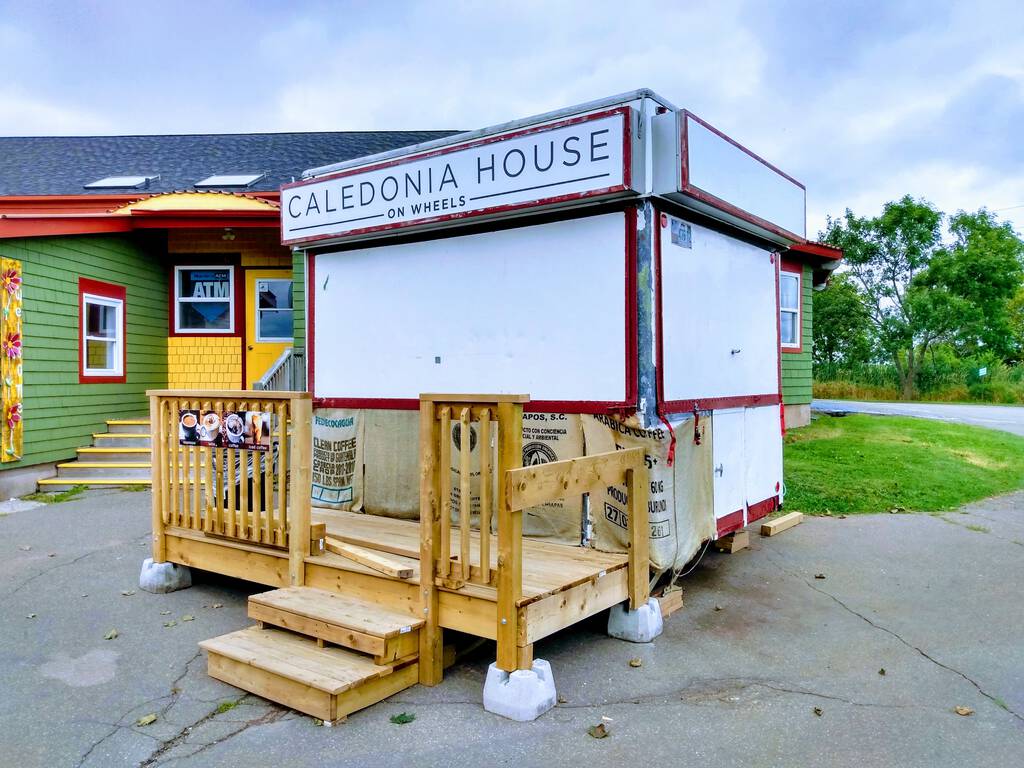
(886, 255)
(980, 271)
(1015, 315)
(842, 325)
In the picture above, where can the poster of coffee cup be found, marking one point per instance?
(249, 430)
(210, 432)
(188, 427)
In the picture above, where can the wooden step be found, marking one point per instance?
(52, 484)
(122, 439)
(386, 635)
(328, 683)
(130, 426)
(93, 453)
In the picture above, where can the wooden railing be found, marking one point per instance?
(447, 557)
(542, 483)
(257, 497)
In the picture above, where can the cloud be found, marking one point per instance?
(25, 115)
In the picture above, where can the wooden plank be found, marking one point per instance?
(780, 524)
(367, 557)
(542, 483)
(232, 528)
(465, 494)
(186, 497)
(290, 693)
(300, 485)
(486, 496)
(228, 394)
(282, 476)
(257, 501)
(209, 493)
(734, 542)
(369, 617)
(445, 494)
(510, 534)
(370, 586)
(544, 617)
(670, 601)
(218, 479)
(464, 613)
(639, 535)
(374, 691)
(158, 514)
(317, 532)
(264, 566)
(317, 628)
(175, 451)
(430, 669)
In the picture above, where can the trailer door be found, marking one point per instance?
(729, 467)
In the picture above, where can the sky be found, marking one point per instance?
(863, 102)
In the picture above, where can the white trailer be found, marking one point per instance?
(618, 261)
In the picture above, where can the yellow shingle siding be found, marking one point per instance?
(204, 362)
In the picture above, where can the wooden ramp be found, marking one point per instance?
(293, 656)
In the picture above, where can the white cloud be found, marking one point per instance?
(25, 115)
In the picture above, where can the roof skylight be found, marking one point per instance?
(122, 182)
(231, 180)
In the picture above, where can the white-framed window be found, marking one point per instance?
(273, 301)
(102, 336)
(789, 309)
(204, 299)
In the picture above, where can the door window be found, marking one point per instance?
(274, 310)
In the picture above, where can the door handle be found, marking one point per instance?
(720, 470)
(249, 347)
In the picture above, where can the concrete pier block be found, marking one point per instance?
(639, 626)
(523, 695)
(163, 577)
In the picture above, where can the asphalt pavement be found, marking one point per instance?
(841, 642)
(1009, 418)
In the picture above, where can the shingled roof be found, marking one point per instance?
(63, 165)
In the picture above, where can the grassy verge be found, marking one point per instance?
(56, 498)
(858, 463)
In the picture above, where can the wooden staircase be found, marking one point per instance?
(318, 652)
(118, 457)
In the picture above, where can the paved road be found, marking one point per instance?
(765, 665)
(1009, 418)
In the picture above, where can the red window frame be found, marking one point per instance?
(797, 269)
(104, 291)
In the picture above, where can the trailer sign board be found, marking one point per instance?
(549, 164)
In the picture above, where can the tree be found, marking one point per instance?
(842, 325)
(1015, 315)
(885, 256)
(980, 271)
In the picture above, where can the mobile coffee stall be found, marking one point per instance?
(596, 289)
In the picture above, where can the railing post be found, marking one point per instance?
(158, 464)
(299, 483)
(510, 536)
(431, 636)
(637, 489)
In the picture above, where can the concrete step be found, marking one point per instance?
(122, 440)
(89, 469)
(328, 683)
(128, 426)
(54, 484)
(113, 455)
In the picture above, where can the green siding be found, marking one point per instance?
(796, 367)
(61, 414)
(299, 299)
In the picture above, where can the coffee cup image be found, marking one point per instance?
(234, 426)
(189, 422)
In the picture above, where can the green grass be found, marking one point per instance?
(56, 498)
(863, 464)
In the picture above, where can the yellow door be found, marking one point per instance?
(268, 320)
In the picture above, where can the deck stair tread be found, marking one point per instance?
(107, 464)
(71, 481)
(94, 449)
(128, 422)
(339, 610)
(122, 435)
(331, 670)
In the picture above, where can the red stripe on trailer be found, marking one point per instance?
(729, 523)
(627, 160)
(630, 326)
(762, 509)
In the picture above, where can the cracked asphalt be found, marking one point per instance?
(765, 665)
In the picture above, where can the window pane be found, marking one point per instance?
(275, 324)
(100, 320)
(789, 287)
(789, 328)
(202, 316)
(274, 294)
(204, 283)
(99, 355)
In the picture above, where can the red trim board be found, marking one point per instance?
(541, 406)
(107, 291)
(627, 159)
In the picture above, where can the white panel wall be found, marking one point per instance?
(537, 310)
(718, 317)
(727, 445)
(724, 170)
(762, 438)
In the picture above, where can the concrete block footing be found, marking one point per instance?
(639, 626)
(163, 577)
(523, 695)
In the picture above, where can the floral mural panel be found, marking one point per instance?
(11, 426)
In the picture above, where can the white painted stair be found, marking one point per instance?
(120, 456)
